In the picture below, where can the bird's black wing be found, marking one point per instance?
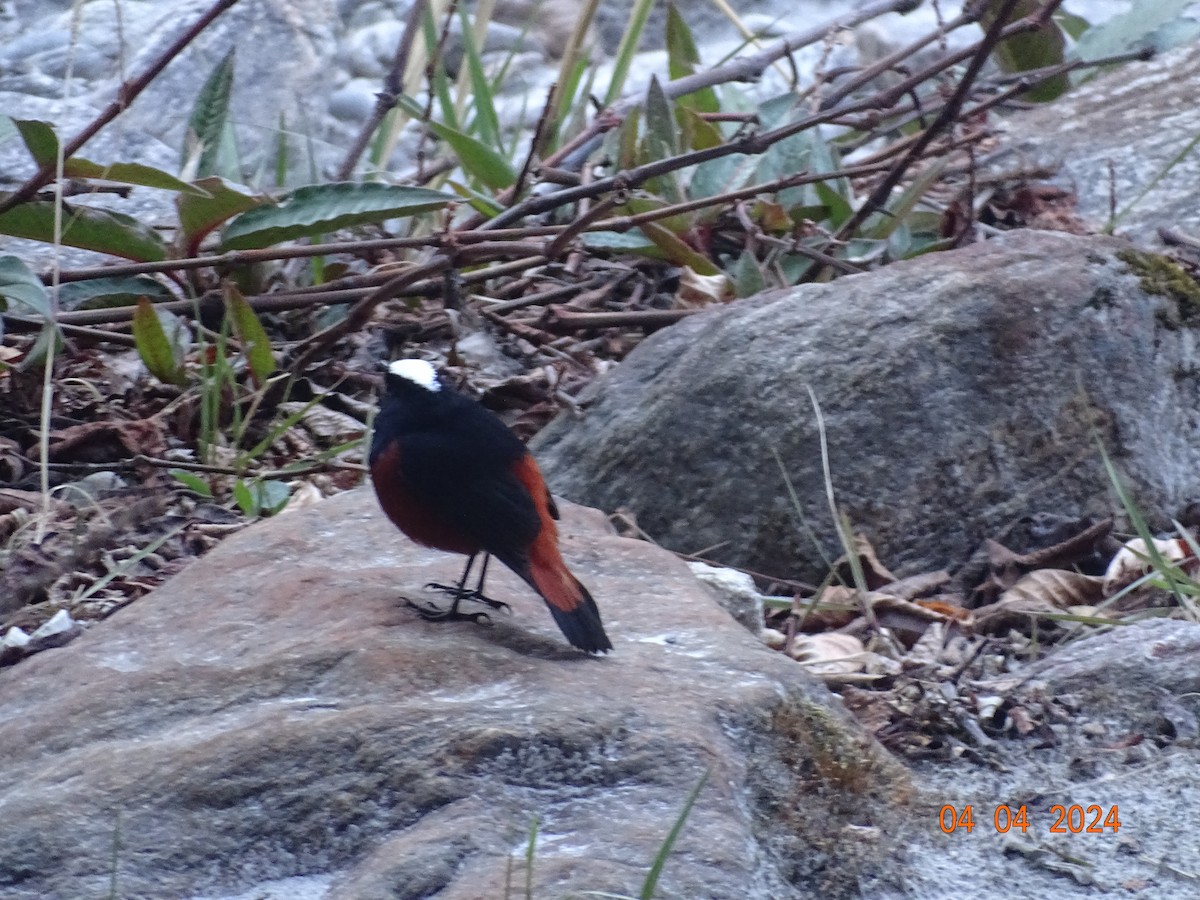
(474, 491)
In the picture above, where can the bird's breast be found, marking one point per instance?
(416, 516)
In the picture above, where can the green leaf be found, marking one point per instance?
(222, 200)
(42, 143)
(482, 203)
(682, 59)
(251, 334)
(206, 128)
(192, 482)
(1074, 26)
(1032, 50)
(87, 228)
(317, 209)
(486, 123)
(161, 353)
(633, 240)
(840, 208)
(746, 275)
(273, 495)
(659, 142)
(650, 885)
(19, 284)
(260, 496)
(697, 133)
(105, 293)
(129, 173)
(245, 500)
(40, 140)
(49, 337)
(676, 250)
(477, 159)
(627, 49)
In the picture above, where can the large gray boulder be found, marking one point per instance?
(274, 719)
(961, 391)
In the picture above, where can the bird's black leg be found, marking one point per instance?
(459, 591)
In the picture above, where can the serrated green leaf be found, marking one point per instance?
(87, 228)
(251, 334)
(1036, 49)
(192, 482)
(105, 293)
(682, 59)
(158, 352)
(222, 200)
(317, 209)
(19, 284)
(210, 114)
(42, 144)
(129, 173)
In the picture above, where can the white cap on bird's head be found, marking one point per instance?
(418, 371)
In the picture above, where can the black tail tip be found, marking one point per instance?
(581, 626)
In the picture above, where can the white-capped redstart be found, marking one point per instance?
(451, 476)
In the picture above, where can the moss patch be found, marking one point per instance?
(1159, 275)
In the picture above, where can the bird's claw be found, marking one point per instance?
(433, 614)
(476, 596)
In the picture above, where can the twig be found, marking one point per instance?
(393, 88)
(126, 94)
(948, 113)
(562, 320)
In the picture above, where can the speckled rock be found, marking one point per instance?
(273, 716)
(961, 392)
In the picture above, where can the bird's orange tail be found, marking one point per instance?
(570, 603)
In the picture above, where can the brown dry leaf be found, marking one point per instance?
(875, 573)
(1056, 589)
(1043, 591)
(839, 606)
(909, 618)
(829, 654)
(328, 426)
(915, 586)
(702, 290)
(100, 442)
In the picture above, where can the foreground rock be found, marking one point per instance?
(961, 392)
(273, 713)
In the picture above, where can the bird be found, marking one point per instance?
(451, 476)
